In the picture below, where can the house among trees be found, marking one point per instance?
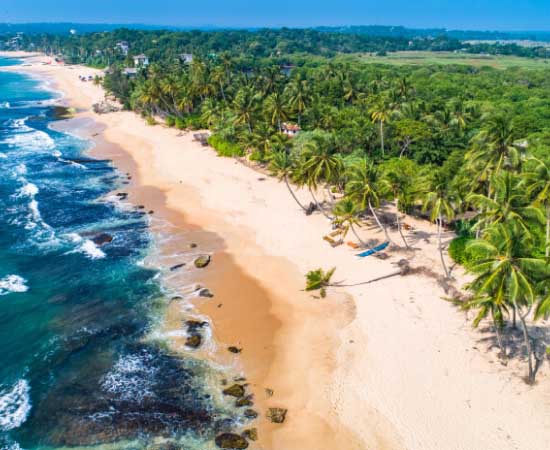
(141, 60)
(130, 72)
(290, 129)
(286, 69)
(186, 58)
(123, 47)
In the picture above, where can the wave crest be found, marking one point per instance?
(15, 405)
(12, 283)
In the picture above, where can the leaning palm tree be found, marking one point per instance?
(319, 279)
(538, 189)
(363, 187)
(346, 211)
(283, 167)
(319, 164)
(438, 202)
(507, 276)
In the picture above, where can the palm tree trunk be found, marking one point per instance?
(528, 347)
(399, 223)
(382, 227)
(439, 221)
(363, 243)
(382, 136)
(318, 205)
(547, 253)
(293, 194)
(499, 338)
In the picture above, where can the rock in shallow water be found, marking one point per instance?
(251, 434)
(250, 414)
(236, 390)
(102, 238)
(231, 441)
(202, 261)
(193, 341)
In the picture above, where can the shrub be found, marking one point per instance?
(170, 121)
(256, 155)
(457, 249)
(225, 148)
(180, 123)
(150, 120)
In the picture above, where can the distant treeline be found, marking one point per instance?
(100, 48)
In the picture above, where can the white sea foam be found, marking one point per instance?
(57, 153)
(131, 378)
(5, 105)
(3, 156)
(15, 405)
(30, 140)
(28, 190)
(86, 246)
(12, 283)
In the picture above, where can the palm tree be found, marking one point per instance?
(509, 203)
(400, 179)
(299, 96)
(346, 211)
(276, 108)
(319, 163)
(438, 202)
(283, 168)
(362, 186)
(538, 188)
(319, 279)
(381, 114)
(245, 105)
(506, 275)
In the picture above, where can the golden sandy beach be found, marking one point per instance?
(389, 365)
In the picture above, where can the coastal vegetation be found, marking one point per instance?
(465, 147)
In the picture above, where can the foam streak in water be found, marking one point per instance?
(15, 405)
(12, 283)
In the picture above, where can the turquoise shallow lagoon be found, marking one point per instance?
(76, 367)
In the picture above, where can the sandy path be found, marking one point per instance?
(389, 365)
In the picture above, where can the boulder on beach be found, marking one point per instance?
(244, 401)
(102, 238)
(192, 245)
(231, 441)
(236, 390)
(202, 261)
(276, 415)
(204, 292)
(251, 434)
(234, 349)
(176, 267)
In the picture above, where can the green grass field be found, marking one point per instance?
(448, 58)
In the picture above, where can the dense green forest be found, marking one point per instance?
(462, 146)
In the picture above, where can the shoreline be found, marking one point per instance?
(390, 366)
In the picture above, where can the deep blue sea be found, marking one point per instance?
(77, 368)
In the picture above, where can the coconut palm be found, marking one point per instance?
(538, 188)
(319, 164)
(299, 96)
(381, 113)
(508, 203)
(282, 166)
(276, 108)
(245, 106)
(507, 276)
(346, 211)
(438, 202)
(363, 187)
(319, 279)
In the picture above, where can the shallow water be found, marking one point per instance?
(79, 367)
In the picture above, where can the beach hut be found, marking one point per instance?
(186, 58)
(290, 129)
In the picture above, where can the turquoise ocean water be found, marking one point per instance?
(76, 367)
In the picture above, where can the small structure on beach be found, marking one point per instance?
(141, 60)
(290, 129)
(130, 72)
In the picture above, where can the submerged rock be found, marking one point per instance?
(204, 292)
(244, 401)
(236, 390)
(234, 349)
(193, 245)
(177, 266)
(102, 238)
(250, 414)
(276, 415)
(195, 325)
(193, 341)
(202, 261)
(231, 441)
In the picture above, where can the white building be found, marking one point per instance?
(187, 58)
(141, 61)
(123, 47)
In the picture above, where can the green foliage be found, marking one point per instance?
(170, 121)
(180, 123)
(225, 148)
(458, 250)
(318, 279)
(150, 120)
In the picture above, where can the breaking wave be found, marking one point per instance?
(12, 283)
(15, 405)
